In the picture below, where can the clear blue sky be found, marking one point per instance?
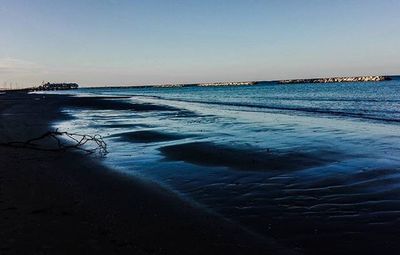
(115, 42)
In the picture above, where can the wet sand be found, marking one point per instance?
(68, 203)
(149, 136)
(209, 154)
(107, 103)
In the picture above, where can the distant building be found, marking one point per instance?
(58, 86)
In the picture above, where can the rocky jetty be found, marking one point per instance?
(209, 84)
(338, 79)
(232, 83)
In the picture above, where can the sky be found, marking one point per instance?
(131, 42)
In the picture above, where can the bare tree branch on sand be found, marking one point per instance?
(63, 141)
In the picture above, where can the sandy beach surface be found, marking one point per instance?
(68, 203)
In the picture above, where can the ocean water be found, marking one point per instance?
(316, 166)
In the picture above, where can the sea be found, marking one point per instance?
(314, 166)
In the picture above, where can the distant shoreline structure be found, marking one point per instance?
(45, 87)
(57, 86)
(70, 86)
(210, 84)
(376, 78)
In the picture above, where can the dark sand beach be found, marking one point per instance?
(68, 203)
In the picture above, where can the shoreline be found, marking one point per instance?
(338, 79)
(66, 202)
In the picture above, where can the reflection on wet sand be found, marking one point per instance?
(148, 136)
(247, 159)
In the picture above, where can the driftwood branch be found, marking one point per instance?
(64, 141)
